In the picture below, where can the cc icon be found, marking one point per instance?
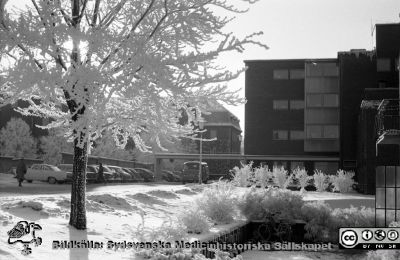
(349, 238)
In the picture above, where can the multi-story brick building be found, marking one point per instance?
(307, 111)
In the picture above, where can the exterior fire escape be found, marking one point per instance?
(387, 123)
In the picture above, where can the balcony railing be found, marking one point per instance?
(387, 120)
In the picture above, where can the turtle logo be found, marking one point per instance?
(25, 233)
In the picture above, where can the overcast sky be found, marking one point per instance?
(308, 29)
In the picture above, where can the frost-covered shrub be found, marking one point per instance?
(302, 177)
(322, 223)
(195, 221)
(320, 180)
(257, 203)
(262, 176)
(218, 202)
(183, 254)
(351, 217)
(342, 181)
(243, 176)
(280, 177)
(317, 215)
(383, 255)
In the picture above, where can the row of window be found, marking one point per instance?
(322, 131)
(288, 74)
(284, 104)
(312, 132)
(322, 100)
(313, 100)
(284, 135)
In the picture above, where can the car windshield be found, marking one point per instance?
(54, 168)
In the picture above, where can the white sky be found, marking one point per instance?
(304, 29)
(308, 29)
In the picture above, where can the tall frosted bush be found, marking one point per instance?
(243, 176)
(302, 177)
(342, 181)
(262, 176)
(281, 177)
(320, 180)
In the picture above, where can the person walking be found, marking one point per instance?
(21, 170)
(100, 174)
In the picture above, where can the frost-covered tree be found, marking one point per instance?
(106, 147)
(53, 145)
(16, 139)
(129, 67)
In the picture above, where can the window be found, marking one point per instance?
(314, 100)
(331, 131)
(281, 74)
(296, 104)
(314, 131)
(279, 135)
(331, 100)
(331, 70)
(280, 104)
(297, 74)
(296, 135)
(213, 133)
(383, 64)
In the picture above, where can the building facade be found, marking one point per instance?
(322, 113)
(292, 109)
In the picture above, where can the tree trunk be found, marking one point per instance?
(78, 192)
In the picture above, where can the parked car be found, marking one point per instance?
(45, 172)
(91, 172)
(145, 173)
(110, 175)
(170, 176)
(122, 174)
(135, 175)
(191, 172)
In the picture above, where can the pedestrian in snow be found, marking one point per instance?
(21, 170)
(100, 174)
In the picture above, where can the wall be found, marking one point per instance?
(357, 72)
(260, 117)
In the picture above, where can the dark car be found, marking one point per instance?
(123, 174)
(135, 175)
(191, 172)
(91, 172)
(170, 176)
(146, 174)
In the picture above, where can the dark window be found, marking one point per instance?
(280, 104)
(279, 134)
(331, 100)
(331, 131)
(213, 133)
(297, 74)
(296, 135)
(296, 104)
(281, 74)
(314, 100)
(314, 131)
(383, 64)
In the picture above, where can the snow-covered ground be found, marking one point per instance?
(115, 213)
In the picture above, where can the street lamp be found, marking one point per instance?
(201, 127)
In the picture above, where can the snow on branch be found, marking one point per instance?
(129, 67)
